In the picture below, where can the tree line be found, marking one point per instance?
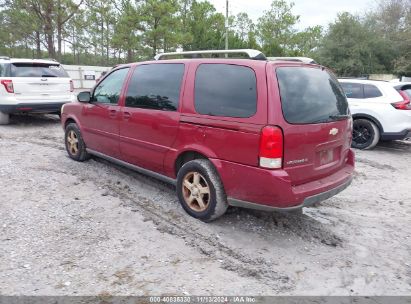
(99, 32)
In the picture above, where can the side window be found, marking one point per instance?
(371, 91)
(108, 91)
(353, 90)
(3, 70)
(155, 86)
(225, 90)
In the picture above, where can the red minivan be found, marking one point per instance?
(270, 135)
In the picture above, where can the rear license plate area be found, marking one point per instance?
(328, 156)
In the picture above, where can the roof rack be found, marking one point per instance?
(5, 57)
(251, 54)
(297, 59)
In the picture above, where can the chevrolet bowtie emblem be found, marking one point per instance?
(334, 131)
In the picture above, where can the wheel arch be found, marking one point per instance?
(186, 156)
(369, 117)
(70, 119)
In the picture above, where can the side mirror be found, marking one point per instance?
(84, 97)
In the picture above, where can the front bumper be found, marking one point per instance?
(54, 107)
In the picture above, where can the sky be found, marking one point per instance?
(312, 12)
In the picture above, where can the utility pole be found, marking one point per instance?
(226, 25)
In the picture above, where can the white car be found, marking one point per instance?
(31, 85)
(381, 111)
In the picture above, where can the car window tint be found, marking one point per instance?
(225, 90)
(353, 90)
(3, 70)
(155, 86)
(310, 95)
(108, 91)
(371, 91)
(37, 70)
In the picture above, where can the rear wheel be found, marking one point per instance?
(365, 134)
(4, 118)
(75, 145)
(200, 190)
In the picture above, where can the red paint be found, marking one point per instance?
(154, 139)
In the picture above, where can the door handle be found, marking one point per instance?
(126, 115)
(112, 113)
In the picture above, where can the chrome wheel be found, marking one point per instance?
(72, 142)
(196, 191)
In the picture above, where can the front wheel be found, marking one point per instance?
(200, 190)
(75, 145)
(365, 134)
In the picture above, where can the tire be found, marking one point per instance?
(365, 134)
(75, 146)
(193, 180)
(4, 118)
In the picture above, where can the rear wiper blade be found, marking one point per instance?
(48, 76)
(341, 116)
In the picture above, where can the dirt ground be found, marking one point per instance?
(69, 228)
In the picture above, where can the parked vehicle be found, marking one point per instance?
(380, 111)
(270, 135)
(32, 85)
(404, 88)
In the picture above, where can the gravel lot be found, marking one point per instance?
(91, 228)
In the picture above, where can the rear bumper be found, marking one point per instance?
(259, 188)
(308, 201)
(33, 107)
(396, 135)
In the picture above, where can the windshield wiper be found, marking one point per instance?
(340, 116)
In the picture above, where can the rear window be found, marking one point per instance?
(353, 90)
(225, 90)
(408, 92)
(310, 95)
(37, 70)
(405, 88)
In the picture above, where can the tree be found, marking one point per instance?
(352, 48)
(276, 29)
(206, 27)
(308, 41)
(128, 30)
(392, 21)
(162, 28)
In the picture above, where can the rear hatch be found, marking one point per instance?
(40, 82)
(317, 124)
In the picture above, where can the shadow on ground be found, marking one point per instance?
(33, 119)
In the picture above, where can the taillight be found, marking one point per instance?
(403, 105)
(71, 86)
(8, 84)
(271, 148)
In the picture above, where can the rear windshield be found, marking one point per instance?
(37, 70)
(408, 92)
(310, 95)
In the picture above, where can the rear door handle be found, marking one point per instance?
(126, 115)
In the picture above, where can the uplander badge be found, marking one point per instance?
(297, 161)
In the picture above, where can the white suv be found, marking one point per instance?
(38, 86)
(381, 111)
